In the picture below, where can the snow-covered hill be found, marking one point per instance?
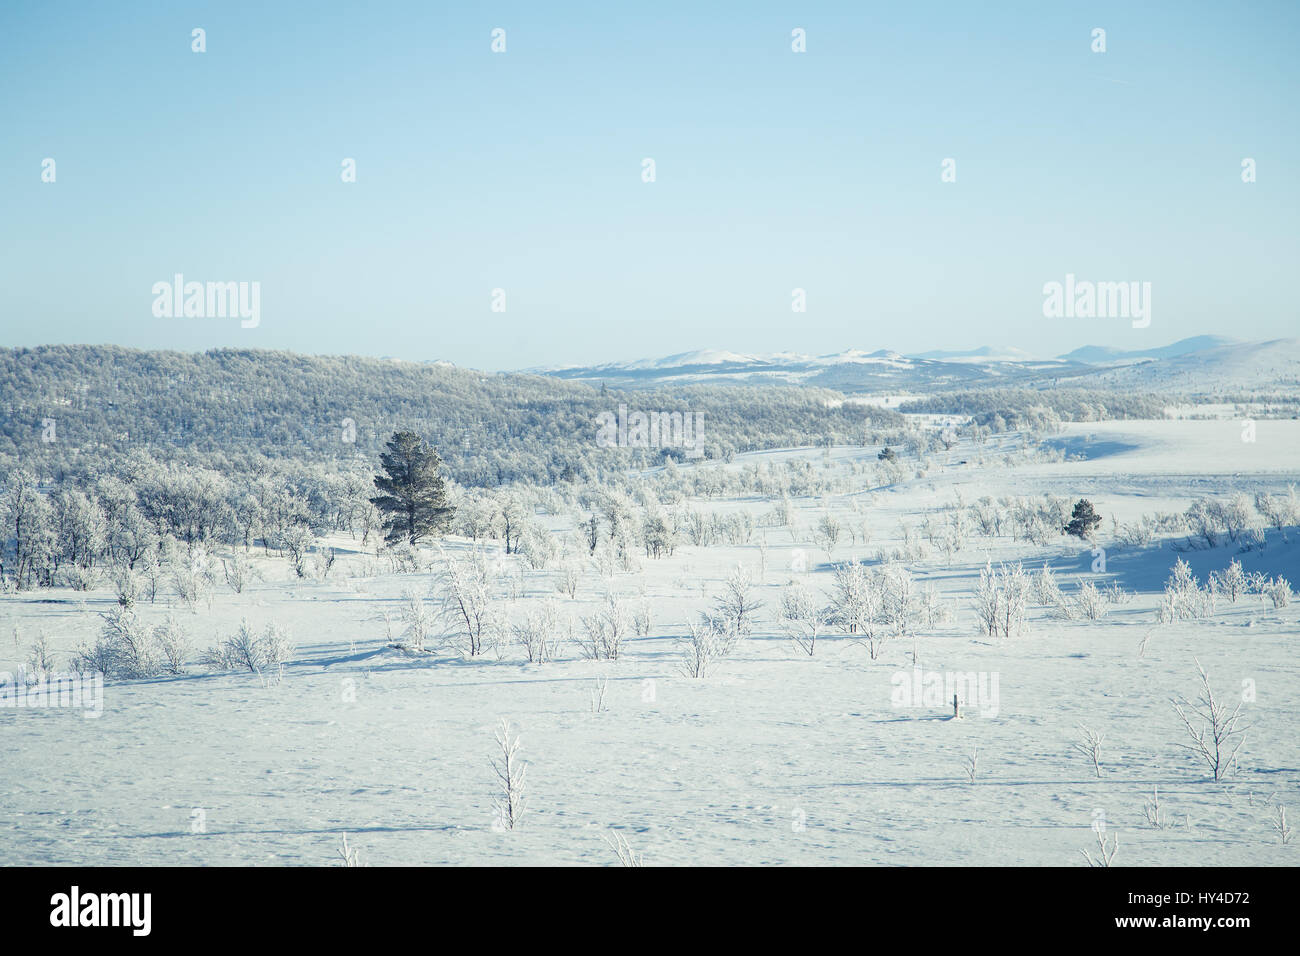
(1201, 364)
(1235, 367)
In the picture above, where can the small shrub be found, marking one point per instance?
(245, 650)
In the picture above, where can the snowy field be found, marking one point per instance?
(775, 757)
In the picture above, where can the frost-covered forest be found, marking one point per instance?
(967, 628)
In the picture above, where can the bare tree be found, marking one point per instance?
(1014, 584)
(173, 645)
(1153, 812)
(40, 664)
(626, 857)
(606, 630)
(348, 854)
(511, 773)
(1217, 733)
(1105, 854)
(1280, 826)
(988, 600)
(737, 605)
(827, 533)
(699, 649)
(538, 633)
(803, 617)
(1091, 747)
(569, 577)
(418, 618)
(599, 688)
(467, 605)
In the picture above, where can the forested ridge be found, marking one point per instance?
(231, 409)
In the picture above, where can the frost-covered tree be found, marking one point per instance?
(512, 775)
(465, 595)
(30, 520)
(658, 536)
(1002, 598)
(1217, 732)
(538, 633)
(737, 606)
(803, 616)
(857, 604)
(827, 534)
(699, 649)
(1231, 581)
(606, 630)
(418, 618)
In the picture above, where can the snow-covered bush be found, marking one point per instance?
(192, 574)
(40, 664)
(173, 645)
(79, 578)
(1278, 590)
(247, 650)
(1184, 598)
(539, 633)
(737, 606)
(536, 547)
(803, 617)
(465, 595)
(419, 619)
(1136, 534)
(606, 630)
(323, 562)
(827, 534)
(1046, 589)
(1001, 599)
(237, 571)
(127, 586)
(699, 650)
(566, 581)
(124, 649)
(1279, 511)
(1230, 582)
(1090, 602)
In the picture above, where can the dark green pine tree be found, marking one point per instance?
(413, 495)
(1083, 520)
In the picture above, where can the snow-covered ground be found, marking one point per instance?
(776, 757)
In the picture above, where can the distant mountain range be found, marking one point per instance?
(1200, 363)
(1104, 355)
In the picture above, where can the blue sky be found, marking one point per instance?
(522, 171)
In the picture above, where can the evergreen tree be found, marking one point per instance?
(1083, 520)
(413, 495)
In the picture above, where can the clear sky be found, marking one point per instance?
(522, 171)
